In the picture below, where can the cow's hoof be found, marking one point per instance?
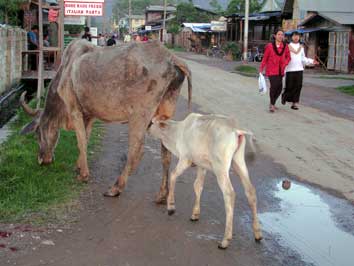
(194, 219)
(83, 179)
(161, 200)
(171, 212)
(111, 193)
(258, 240)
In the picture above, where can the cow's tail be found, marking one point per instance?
(186, 71)
(249, 137)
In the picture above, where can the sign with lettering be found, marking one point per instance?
(86, 1)
(83, 9)
(218, 25)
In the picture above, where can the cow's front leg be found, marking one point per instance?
(166, 162)
(80, 131)
(137, 129)
(88, 129)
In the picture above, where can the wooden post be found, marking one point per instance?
(40, 60)
(61, 28)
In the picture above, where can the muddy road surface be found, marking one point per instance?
(304, 225)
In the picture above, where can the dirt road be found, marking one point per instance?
(302, 226)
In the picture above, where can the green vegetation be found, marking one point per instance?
(25, 186)
(335, 77)
(233, 48)
(8, 11)
(347, 89)
(246, 69)
(238, 6)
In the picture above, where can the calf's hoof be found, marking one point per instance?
(170, 212)
(194, 218)
(224, 244)
(220, 246)
(258, 240)
(112, 192)
(83, 179)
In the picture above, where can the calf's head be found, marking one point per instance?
(46, 131)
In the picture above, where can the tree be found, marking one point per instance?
(8, 11)
(238, 6)
(216, 6)
(186, 12)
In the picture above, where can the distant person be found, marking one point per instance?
(111, 41)
(53, 14)
(32, 38)
(276, 58)
(294, 72)
(87, 35)
(45, 40)
(127, 38)
(145, 38)
(101, 40)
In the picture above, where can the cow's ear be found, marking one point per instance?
(30, 127)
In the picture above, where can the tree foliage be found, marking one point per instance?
(216, 6)
(238, 6)
(186, 12)
(9, 11)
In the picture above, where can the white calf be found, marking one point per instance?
(211, 142)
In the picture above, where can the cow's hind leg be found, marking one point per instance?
(198, 188)
(166, 162)
(137, 129)
(182, 165)
(239, 166)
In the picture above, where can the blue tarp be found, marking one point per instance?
(198, 27)
(302, 31)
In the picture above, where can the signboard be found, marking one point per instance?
(83, 9)
(94, 32)
(71, 20)
(148, 28)
(218, 26)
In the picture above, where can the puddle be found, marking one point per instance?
(305, 223)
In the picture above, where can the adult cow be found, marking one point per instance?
(127, 84)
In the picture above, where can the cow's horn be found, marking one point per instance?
(26, 107)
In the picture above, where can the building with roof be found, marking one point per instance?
(328, 30)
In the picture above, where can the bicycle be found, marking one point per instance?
(216, 51)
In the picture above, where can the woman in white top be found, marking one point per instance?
(294, 71)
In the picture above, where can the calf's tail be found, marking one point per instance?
(251, 148)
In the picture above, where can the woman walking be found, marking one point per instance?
(276, 58)
(294, 72)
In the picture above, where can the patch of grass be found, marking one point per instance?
(175, 48)
(247, 69)
(347, 89)
(25, 186)
(336, 77)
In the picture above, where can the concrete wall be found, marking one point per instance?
(12, 42)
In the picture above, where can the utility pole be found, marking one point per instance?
(245, 39)
(164, 21)
(40, 56)
(130, 16)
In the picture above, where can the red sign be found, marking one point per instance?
(86, 1)
(83, 9)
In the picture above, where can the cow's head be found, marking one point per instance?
(47, 132)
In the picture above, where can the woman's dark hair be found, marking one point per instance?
(273, 42)
(277, 30)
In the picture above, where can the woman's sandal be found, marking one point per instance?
(271, 109)
(294, 107)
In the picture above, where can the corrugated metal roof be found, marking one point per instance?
(270, 5)
(344, 18)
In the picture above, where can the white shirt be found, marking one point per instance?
(298, 60)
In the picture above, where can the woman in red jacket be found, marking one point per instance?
(276, 58)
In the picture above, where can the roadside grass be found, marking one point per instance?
(347, 89)
(246, 69)
(26, 187)
(175, 48)
(335, 77)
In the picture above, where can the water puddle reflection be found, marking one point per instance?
(305, 224)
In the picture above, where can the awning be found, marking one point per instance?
(307, 30)
(198, 27)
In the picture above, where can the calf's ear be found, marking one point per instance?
(30, 127)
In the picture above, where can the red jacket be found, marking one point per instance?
(275, 64)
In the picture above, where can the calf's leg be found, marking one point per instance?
(198, 188)
(239, 166)
(182, 165)
(229, 195)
